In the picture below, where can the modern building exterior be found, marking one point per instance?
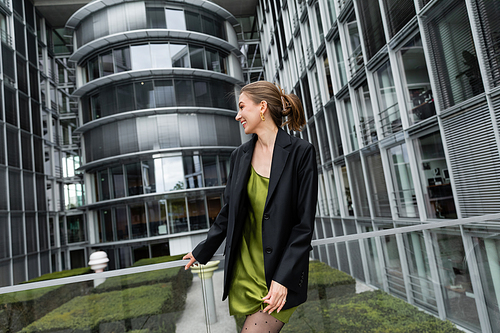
(132, 104)
(402, 99)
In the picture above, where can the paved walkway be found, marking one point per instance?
(193, 320)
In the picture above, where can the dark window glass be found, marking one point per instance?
(26, 151)
(184, 92)
(371, 24)
(134, 178)
(326, 63)
(202, 94)
(219, 29)
(358, 189)
(122, 232)
(125, 96)
(390, 116)
(192, 171)
(13, 147)
(18, 7)
(213, 60)
(197, 55)
(177, 215)
(107, 225)
(157, 218)
(29, 191)
(325, 147)
(307, 97)
(93, 69)
(43, 235)
(4, 240)
(378, 185)
(164, 93)
(223, 168)
(155, 17)
(22, 75)
(16, 199)
(107, 102)
(19, 28)
(2, 146)
(31, 240)
(193, 21)
(122, 59)
(38, 151)
(3, 188)
(332, 120)
(144, 95)
(24, 112)
(127, 134)
(10, 106)
(17, 229)
(454, 56)
(75, 227)
(214, 207)
(210, 171)
(8, 62)
(106, 64)
(138, 220)
(36, 118)
(32, 55)
(40, 193)
(208, 25)
(118, 182)
(34, 83)
(197, 214)
(399, 13)
(103, 181)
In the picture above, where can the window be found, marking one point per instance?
(177, 215)
(435, 178)
(138, 220)
(454, 57)
(365, 113)
(118, 182)
(164, 93)
(404, 191)
(140, 56)
(341, 75)
(328, 76)
(106, 64)
(179, 55)
(416, 79)
(377, 184)
(160, 56)
(155, 17)
(197, 56)
(355, 54)
(372, 26)
(122, 59)
(193, 21)
(398, 13)
(347, 193)
(175, 19)
(197, 213)
(389, 108)
(358, 189)
(333, 123)
(350, 125)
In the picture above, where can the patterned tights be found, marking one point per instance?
(261, 322)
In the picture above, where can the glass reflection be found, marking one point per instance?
(175, 19)
(169, 174)
(177, 217)
(404, 190)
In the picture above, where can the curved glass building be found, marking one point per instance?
(156, 82)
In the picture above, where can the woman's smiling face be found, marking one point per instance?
(249, 113)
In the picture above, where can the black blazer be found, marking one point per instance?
(288, 220)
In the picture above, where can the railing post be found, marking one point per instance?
(205, 272)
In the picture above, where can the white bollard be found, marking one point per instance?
(205, 272)
(98, 261)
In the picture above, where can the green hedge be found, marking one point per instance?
(145, 307)
(180, 278)
(157, 260)
(326, 282)
(372, 311)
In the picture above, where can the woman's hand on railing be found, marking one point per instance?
(191, 260)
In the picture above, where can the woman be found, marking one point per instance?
(268, 215)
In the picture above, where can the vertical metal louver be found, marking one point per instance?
(372, 27)
(399, 13)
(487, 17)
(474, 160)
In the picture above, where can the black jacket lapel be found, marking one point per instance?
(280, 156)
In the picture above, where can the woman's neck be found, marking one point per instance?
(267, 137)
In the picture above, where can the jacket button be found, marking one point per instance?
(269, 250)
(266, 216)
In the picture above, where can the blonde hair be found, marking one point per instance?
(279, 104)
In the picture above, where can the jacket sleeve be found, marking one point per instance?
(295, 259)
(205, 250)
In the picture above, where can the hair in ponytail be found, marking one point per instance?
(285, 109)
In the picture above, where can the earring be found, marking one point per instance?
(262, 116)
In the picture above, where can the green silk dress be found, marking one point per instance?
(248, 285)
